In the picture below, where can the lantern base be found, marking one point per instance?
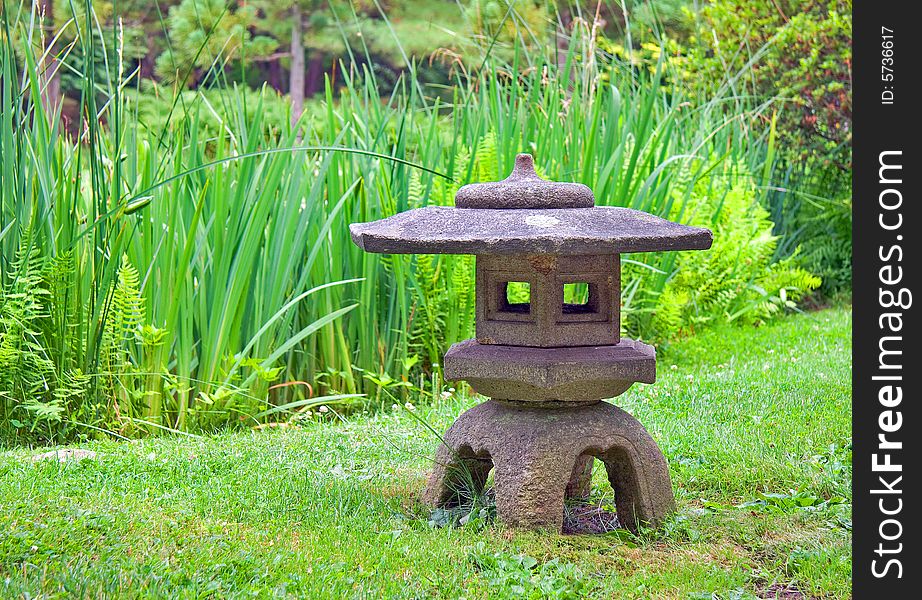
(542, 456)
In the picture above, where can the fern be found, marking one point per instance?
(63, 328)
(121, 329)
(127, 304)
(734, 281)
(26, 371)
(71, 391)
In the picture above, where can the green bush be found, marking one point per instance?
(45, 383)
(813, 217)
(797, 51)
(797, 55)
(209, 32)
(214, 110)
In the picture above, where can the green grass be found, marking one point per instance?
(757, 416)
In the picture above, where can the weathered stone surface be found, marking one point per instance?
(524, 214)
(580, 484)
(524, 189)
(551, 376)
(546, 321)
(562, 231)
(535, 452)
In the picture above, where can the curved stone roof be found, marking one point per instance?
(566, 231)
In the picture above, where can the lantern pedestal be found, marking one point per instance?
(542, 456)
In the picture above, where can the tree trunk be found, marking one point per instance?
(148, 61)
(275, 76)
(296, 82)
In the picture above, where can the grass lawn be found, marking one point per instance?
(755, 424)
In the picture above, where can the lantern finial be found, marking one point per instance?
(523, 188)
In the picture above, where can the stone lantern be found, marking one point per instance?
(546, 364)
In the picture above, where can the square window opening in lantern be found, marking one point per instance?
(579, 298)
(517, 297)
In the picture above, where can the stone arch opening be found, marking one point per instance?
(466, 476)
(622, 477)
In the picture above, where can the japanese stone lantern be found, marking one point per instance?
(546, 364)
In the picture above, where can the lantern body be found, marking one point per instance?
(546, 320)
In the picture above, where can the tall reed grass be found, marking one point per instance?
(187, 279)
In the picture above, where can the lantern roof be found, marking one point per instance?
(524, 214)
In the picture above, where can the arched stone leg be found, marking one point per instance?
(640, 478)
(538, 451)
(637, 470)
(530, 482)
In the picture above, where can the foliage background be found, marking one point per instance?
(177, 184)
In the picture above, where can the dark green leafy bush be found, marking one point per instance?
(796, 53)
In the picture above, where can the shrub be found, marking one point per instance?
(45, 386)
(796, 53)
(813, 216)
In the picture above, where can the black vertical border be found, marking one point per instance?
(877, 128)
